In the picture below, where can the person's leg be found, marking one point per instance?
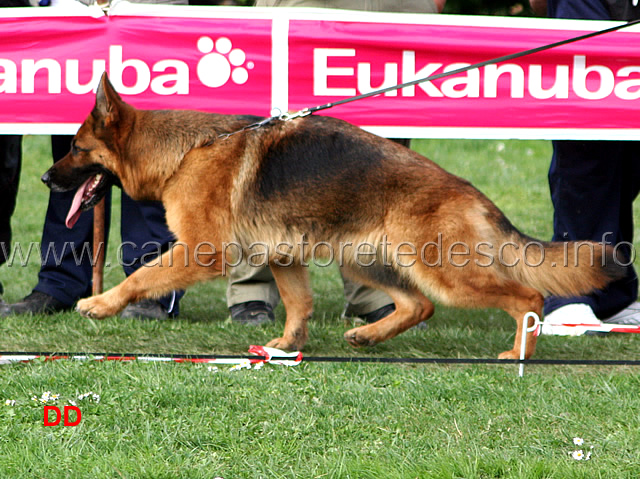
(585, 9)
(587, 181)
(10, 162)
(252, 294)
(65, 274)
(145, 235)
(626, 291)
(592, 189)
(367, 303)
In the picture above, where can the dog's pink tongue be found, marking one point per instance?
(74, 211)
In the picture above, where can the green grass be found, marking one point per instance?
(317, 420)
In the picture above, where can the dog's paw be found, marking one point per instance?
(285, 344)
(97, 307)
(358, 337)
(511, 354)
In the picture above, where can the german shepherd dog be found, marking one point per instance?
(327, 182)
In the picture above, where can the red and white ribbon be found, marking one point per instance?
(263, 355)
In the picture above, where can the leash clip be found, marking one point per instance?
(293, 116)
(260, 124)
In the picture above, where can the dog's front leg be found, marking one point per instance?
(293, 285)
(103, 305)
(174, 270)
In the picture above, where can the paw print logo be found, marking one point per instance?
(215, 68)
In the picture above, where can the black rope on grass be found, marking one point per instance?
(324, 359)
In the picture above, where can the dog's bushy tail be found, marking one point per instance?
(571, 268)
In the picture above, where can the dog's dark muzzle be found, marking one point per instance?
(48, 180)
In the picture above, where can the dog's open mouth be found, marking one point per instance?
(86, 197)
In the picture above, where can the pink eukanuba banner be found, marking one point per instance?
(260, 61)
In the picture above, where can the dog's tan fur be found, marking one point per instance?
(319, 179)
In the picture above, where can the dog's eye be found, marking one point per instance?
(75, 149)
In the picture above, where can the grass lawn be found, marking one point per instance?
(316, 420)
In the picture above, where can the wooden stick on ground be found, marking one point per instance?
(98, 247)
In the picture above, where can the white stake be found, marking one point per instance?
(526, 329)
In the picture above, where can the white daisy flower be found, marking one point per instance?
(577, 455)
(578, 441)
(10, 402)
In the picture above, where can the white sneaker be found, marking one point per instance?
(628, 316)
(571, 320)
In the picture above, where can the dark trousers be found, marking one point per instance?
(10, 160)
(66, 253)
(593, 185)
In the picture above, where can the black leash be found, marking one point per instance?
(569, 362)
(308, 111)
(15, 356)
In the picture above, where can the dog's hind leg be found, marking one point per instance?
(295, 291)
(412, 307)
(480, 287)
(515, 299)
(522, 301)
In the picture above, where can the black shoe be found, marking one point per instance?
(378, 314)
(385, 311)
(145, 309)
(36, 303)
(252, 313)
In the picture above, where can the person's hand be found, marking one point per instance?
(539, 7)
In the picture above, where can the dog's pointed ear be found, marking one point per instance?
(108, 102)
